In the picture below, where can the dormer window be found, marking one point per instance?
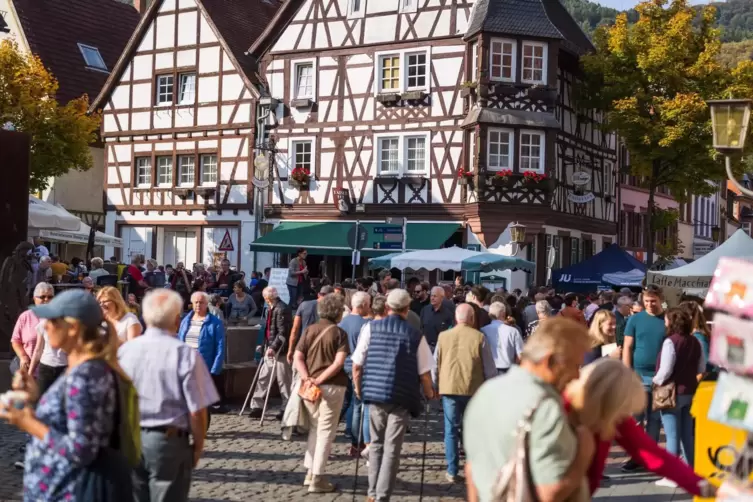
(502, 64)
(356, 8)
(534, 63)
(92, 58)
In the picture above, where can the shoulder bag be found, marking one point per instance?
(514, 482)
(309, 390)
(663, 397)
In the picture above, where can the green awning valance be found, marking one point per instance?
(331, 238)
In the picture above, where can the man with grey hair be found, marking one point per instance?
(413, 319)
(543, 311)
(360, 309)
(389, 355)
(436, 317)
(175, 389)
(505, 340)
(278, 323)
(621, 313)
(463, 361)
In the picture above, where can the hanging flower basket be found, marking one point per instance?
(503, 178)
(538, 180)
(464, 177)
(300, 178)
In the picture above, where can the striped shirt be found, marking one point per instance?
(192, 337)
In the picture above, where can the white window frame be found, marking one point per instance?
(83, 48)
(542, 163)
(402, 163)
(474, 59)
(511, 155)
(216, 169)
(403, 80)
(291, 153)
(157, 172)
(192, 93)
(157, 94)
(544, 64)
(407, 6)
(294, 80)
(148, 166)
(180, 159)
(514, 62)
(609, 178)
(359, 14)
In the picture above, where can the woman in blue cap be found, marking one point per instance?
(75, 417)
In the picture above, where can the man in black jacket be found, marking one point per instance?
(278, 323)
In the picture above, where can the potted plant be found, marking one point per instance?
(464, 176)
(503, 178)
(542, 93)
(300, 178)
(468, 88)
(537, 180)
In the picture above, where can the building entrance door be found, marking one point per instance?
(180, 245)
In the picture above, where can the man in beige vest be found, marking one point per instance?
(463, 361)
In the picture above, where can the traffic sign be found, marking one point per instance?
(357, 241)
(388, 230)
(388, 245)
(227, 242)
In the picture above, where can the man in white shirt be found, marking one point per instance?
(505, 340)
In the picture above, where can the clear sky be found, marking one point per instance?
(626, 4)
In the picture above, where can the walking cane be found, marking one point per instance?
(423, 455)
(358, 448)
(251, 389)
(269, 390)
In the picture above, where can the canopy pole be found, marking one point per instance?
(354, 255)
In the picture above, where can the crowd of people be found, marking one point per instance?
(576, 371)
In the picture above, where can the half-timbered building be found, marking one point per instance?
(458, 116)
(179, 114)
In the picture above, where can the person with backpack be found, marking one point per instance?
(176, 389)
(83, 431)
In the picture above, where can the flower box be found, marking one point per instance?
(542, 94)
(463, 180)
(467, 91)
(301, 103)
(206, 192)
(183, 193)
(388, 98)
(413, 96)
(505, 90)
(300, 185)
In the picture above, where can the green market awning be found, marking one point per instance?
(330, 238)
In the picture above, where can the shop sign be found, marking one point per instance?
(341, 198)
(261, 170)
(580, 178)
(581, 199)
(702, 248)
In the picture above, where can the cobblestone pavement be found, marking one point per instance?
(244, 462)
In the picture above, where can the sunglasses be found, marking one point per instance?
(45, 297)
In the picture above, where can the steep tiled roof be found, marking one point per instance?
(529, 18)
(240, 23)
(54, 28)
(237, 24)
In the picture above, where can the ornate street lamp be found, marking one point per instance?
(517, 237)
(729, 122)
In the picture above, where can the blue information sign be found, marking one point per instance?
(388, 245)
(388, 230)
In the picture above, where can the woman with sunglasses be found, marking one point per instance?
(114, 307)
(51, 362)
(24, 338)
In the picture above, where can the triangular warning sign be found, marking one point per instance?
(227, 242)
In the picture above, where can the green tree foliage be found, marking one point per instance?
(60, 134)
(654, 77)
(733, 52)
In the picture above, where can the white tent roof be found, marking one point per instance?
(79, 235)
(49, 216)
(738, 246)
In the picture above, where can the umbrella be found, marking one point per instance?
(453, 258)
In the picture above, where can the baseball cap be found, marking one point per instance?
(77, 304)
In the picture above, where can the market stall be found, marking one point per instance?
(695, 277)
(613, 266)
(452, 258)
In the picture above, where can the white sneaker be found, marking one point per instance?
(365, 453)
(666, 483)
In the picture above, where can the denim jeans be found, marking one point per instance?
(347, 411)
(454, 408)
(293, 292)
(356, 420)
(652, 418)
(679, 429)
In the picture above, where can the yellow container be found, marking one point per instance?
(716, 445)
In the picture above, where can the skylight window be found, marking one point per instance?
(92, 57)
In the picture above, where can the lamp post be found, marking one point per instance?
(729, 122)
(715, 234)
(517, 237)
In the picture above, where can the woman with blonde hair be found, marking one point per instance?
(75, 420)
(115, 310)
(603, 399)
(602, 332)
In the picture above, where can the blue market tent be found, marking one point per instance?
(604, 268)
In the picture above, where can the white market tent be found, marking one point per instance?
(49, 216)
(74, 234)
(695, 277)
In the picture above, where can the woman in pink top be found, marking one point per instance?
(603, 399)
(24, 337)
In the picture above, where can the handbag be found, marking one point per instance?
(664, 397)
(309, 390)
(514, 482)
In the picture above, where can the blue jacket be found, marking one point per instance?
(211, 341)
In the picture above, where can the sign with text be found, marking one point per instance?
(341, 198)
(278, 279)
